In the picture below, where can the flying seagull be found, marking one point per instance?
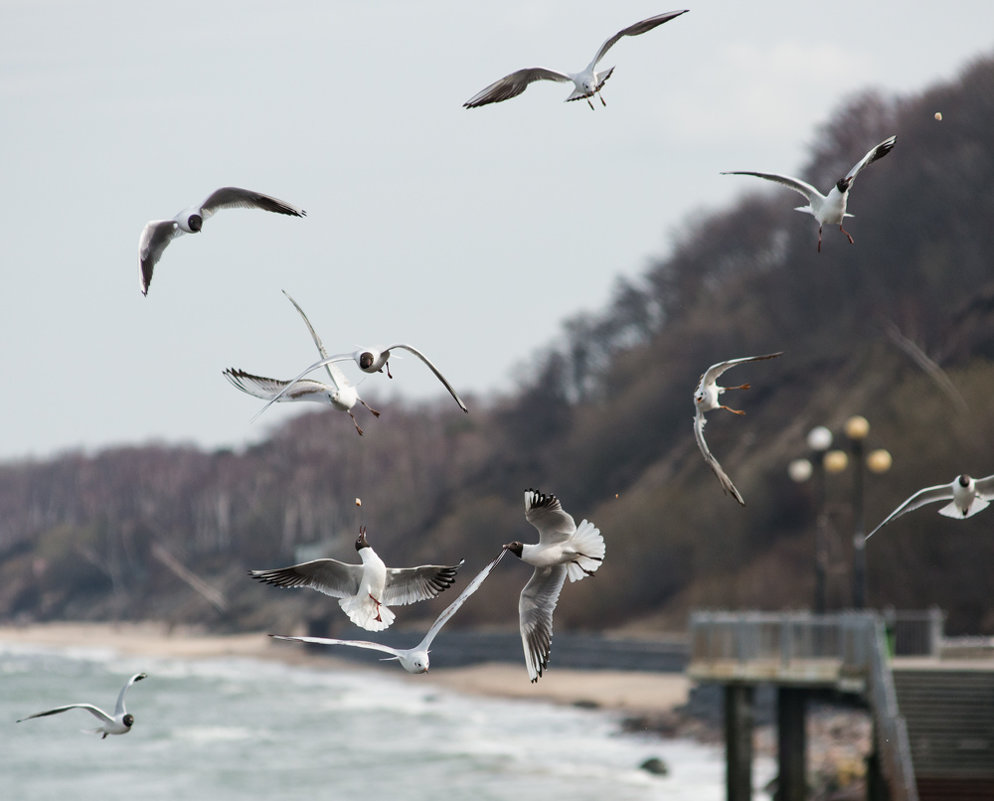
(586, 83)
(563, 549)
(705, 399)
(373, 360)
(413, 660)
(158, 233)
(120, 723)
(827, 209)
(340, 394)
(967, 495)
(365, 591)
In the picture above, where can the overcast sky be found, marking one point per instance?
(469, 233)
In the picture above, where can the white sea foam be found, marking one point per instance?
(229, 729)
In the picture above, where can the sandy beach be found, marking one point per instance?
(625, 691)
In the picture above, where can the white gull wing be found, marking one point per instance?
(813, 196)
(337, 376)
(96, 711)
(334, 578)
(119, 707)
(408, 585)
(152, 242)
(985, 488)
(374, 646)
(545, 512)
(715, 370)
(642, 26)
(723, 479)
(274, 389)
(875, 153)
(453, 607)
(514, 84)
(535, 607)
(433, 368)
(943, 492)
(231, 197)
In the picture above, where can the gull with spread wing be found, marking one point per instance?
(586, 83)
(158, 233)
(340, 394)
(827, 209)
(967, 496)
(118, 723)
(373, 360)
(413, 660)
(365, 591)
(563, 549)
(705, 399)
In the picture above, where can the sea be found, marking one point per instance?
(240, 729)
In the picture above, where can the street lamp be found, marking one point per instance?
(857, 428)
(819, 440)
(822, 461)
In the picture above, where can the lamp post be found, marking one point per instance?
(823, 460)
(819, 440)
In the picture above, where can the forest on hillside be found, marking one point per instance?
(604, 420)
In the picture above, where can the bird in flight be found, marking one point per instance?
(706, 398)
(586, 83)
(827, 209)
(365, 591)
(967, 496)
(413, 660)
(118, 723)
(563, 550)
(340, 394)
(158, 233)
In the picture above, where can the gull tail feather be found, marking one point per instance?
(589, 544)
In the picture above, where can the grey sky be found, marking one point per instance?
(468, 233)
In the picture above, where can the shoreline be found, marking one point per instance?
(632, 693)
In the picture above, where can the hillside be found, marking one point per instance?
(604, 421)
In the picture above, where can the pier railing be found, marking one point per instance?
(847, 651)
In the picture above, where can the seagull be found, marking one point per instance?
(563, 549)
(120, 723)
(373, 360)
(706, 399)
(365, 591)
(339, 394)
(830, 208)
(586, 83)
(968, 496)
(158, 233)
(413, 660)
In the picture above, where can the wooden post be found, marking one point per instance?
(791, 744)
(738, 742)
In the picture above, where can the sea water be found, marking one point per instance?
(242, 729)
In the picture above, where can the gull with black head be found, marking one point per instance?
(118, 723)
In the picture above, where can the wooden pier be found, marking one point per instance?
(801, 654)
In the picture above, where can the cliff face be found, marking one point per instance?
(898, 328)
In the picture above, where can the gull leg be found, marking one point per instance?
(590, 104)
(819, 239)
(740, 386)
(378, 605)
(356, 423)
(733, 411)
(375, 413)
(847, 234)
(387, 365)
